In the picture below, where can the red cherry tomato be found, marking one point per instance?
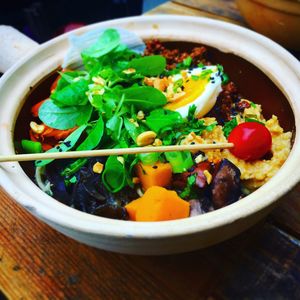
(251, 141)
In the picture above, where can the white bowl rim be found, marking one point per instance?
(57, 213)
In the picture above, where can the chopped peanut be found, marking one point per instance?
(135, 180)
(36, 128)
(157, 142)
(98, 80)
(140, 115)
(129, 71)
(208, 176)
(146, 138)
(148, 81)
(161, 83)
(199, 159)
(135, 123)
(121, 159)
(98, 168)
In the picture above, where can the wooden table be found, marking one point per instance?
(37, 262)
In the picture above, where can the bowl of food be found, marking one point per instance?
(279, 20)
(138, 83)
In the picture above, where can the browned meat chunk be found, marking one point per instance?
(226, 187)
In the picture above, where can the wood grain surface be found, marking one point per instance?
(37, 262)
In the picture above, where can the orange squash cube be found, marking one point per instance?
(159, 174)
(158, 204)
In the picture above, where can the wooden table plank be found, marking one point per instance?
(287, 214)
(177, 9)
(36, 262)
(225, 8)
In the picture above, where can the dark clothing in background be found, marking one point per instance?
(42, 20)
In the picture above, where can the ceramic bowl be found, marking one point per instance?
(152, 237)
(279, 20)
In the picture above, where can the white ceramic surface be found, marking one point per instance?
(159, 237)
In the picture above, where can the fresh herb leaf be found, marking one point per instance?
(191, 180)
(177, 84)
(73, 180)
(132, 130)
(187, 61)
(64, 117)
(68, 77)
(191, 112)
(74, 167)
(114, 175)
(252, 104)
(254, 120)
(66, 145)
(211, 127)
(108, 41)
(94, 136)
(228, 126)
(225, 78)
(145, 98)
(72, 94)
(114, 127)
(170, 136)
(205, 74)
(152, 65)
(220, 68)
(162, 118)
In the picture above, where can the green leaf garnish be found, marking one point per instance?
(64, 117)
(162, 118)
(152, 65)
(228, 127)
(114, 176)
(145, 98)
(66, 145)
(108, 41)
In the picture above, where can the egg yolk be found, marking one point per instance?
(193, 89)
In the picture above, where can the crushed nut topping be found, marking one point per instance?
(146, 138)
(98, 168)
(36, 128)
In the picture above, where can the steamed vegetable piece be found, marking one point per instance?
(179, 160)
(31, 147)
(158, 204)
(158, 174)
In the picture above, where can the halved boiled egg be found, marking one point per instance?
(199, 86)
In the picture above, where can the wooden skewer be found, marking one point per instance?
(107, 152)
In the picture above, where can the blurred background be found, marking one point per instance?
(42, 20)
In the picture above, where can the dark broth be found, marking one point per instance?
(252, 84)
